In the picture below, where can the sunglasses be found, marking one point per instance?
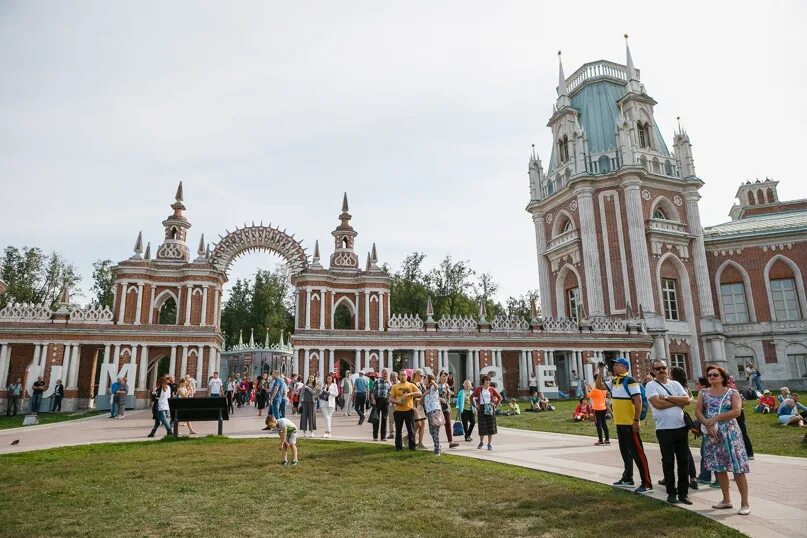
(660, 368)
(713, 375)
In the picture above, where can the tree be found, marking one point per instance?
(449, 284)
(103, 283)
(521, 306)
(33, 277)
(408, 291)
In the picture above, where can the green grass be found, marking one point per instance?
(217, 486)
(767, 436)
(47, 418)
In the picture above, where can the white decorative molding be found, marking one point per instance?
(261, 238)
(602, 324)
(727, 252)
(509, 324)
(345, 259)
(573, 205)
(171, 251)
(457, 323)
(405, 322)
(560, 325)
(92, 314)
(777, 246)
(677, 200)
(25, 312)
(645, 194)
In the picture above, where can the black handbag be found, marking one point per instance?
(324, 395)
(373, 416)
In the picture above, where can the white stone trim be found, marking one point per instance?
(749, 294)
(560, 293)
(796, 276)
(685, 294)
(623, 260)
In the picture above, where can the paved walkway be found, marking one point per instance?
(776, 482)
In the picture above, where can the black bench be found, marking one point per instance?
(197, 409)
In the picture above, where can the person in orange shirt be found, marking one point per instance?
(583, 411)
(766, 403)
(597, 397)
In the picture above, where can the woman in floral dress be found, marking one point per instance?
(717, 410)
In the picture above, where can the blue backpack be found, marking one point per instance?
(643, 414)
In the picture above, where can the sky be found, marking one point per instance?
(423, 112)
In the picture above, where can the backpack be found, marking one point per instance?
(643, 414)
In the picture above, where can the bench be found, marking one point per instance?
(198, 409)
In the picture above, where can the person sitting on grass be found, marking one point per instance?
(543, 401)
(801, 409)
(288, 437)
(582, 411)
(784, 394)
(766, 403)
(534, 404)
(788, 414)
(512, 409)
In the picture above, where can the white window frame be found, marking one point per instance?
(669, 298)
(573, 302)
(799, 361)
(780, 297)
(679, 359)
(732, 301)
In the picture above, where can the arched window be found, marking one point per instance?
(732, 295)
(668, 169)
(760, 197)
(644, 134)
(770, 195)
(343, 317)
(173, 233)
(563, 149)
(567, 227)
(659, 214)
(168, 312)
(345, 243)
(573, 303)
(604, 164)
(751, 198)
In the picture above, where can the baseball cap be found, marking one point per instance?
(623, 361)
(766, 391)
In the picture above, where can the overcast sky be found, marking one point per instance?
(423, 113)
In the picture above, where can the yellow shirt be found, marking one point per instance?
(397, 392)
(621, 401)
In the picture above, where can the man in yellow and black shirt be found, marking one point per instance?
(402, 395)
(627, 408)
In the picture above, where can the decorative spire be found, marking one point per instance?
(369, 263)
(315, 263)
(176, 227)
(634, 85)
(563, 92)
(344, 257)
(282, 342)
(147, 255)
(374, 255)
(240, 337)
(533, 309)
(483, 311)
(138, 248)
(429, 310)
(252, 338)
(64, 300)
(201, 250)
(345, 208)
(266, 341)
(179, 196)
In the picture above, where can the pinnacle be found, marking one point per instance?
(344, 204)
(179, 196)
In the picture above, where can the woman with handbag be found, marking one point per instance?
(420, 413)
(717, 410)
(445, 392)
(486, 398)
(466, 409)
(308, 415)
(434, 412)
(328, 402)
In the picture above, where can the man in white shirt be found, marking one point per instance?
(192, 383)
(347, 391)
(214, 385)
(667, 401)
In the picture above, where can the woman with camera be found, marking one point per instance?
(486, 398)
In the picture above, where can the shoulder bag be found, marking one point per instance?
(690, 424)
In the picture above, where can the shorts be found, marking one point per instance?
(419, 413)
(291, 438)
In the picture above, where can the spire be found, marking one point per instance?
(240, 337)
(266, 341)
(176, 230)
(374, 255)
(315, 263)
(369, 263)
(344, 257)
(429, 309)
(64, 300)
(533, 309)
(634, 85)
(179, 196)
(252, 338)
(147, 256)
(201, 250)
(563, 92)
(138, 248)
(282, 342)
(345, 208)
(483, 310)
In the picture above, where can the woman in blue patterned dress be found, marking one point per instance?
(717, 410)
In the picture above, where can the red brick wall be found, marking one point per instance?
(131, 305)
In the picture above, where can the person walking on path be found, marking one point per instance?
(445, 393)
(466, 409)
(214, 385)
(717, 410)
(120, 396)
(434, 412)
(278, 395)
(380, 400)
(14, 391)
(328, 404)
(627, 408)
(113, 398)
(486, 399)
(159, 408)
(597, 397)
(420, 412)
(403, 395)
(360, 388)
(184, 391)
(58, 394)
(667, 401)
(347, 393)
(260, 395)
(308, 413)
(232, 390)
(393, 380)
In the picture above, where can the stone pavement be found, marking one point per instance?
(776, 482)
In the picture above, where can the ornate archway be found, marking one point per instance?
(251, 238)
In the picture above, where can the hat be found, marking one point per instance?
(623, 361)
(766, 391)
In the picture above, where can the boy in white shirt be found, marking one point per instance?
(288, 437)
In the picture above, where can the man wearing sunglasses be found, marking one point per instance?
(667, 401)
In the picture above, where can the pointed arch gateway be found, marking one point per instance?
(261, 238)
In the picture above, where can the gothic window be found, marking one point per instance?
(343, 317)
(573, 303)
(668, 169)
(563, 149)
(799, 361)
(173, 233)
(604, 164)
(770, 195)
(669, 290)
(735, 309)
(680, 360)
(644, 134)
(659, 214)
(168, 312)
(760, 197)
(567, 227)
(345, 243)
(785, 303)
(751, 198)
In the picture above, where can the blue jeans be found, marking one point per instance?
(278, 408)
(162, 418)
(757, 383)
(36, 400)
(113, 407)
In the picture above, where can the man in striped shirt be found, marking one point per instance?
(379, 397)
(627, 408)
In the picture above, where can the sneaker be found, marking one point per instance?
(468, 439)
(150, 435)
(480, 445)
(284, 462)
(672, 499)
(453, 445)
(490, 447)
(704, 482)
(693, 484)
(624, 483)
(744, 510)
(599, 443)
(295, 462)
(685, 500)
(715, 485)
(607, 442)
(642, 490)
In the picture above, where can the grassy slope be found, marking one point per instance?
(46, 418)
(767, 436)
(203, 487)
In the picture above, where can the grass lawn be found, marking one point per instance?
(216, 486)
(46, 418)
(767, 436)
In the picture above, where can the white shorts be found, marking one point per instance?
(291, 438)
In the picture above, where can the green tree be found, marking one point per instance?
(451, 288)
(408, 291)
(34, 277)
(520, 306)
(103, 283)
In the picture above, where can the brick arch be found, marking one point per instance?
(731, 265)
(796, 273)
(565, 272)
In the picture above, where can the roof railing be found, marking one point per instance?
(596, 70)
